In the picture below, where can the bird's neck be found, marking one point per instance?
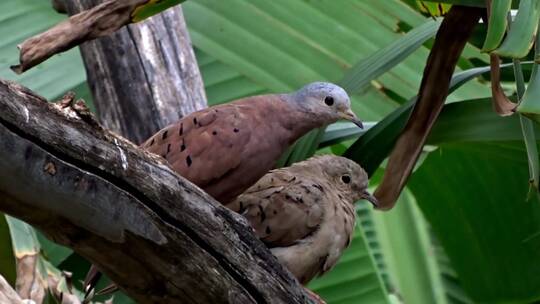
(298, 122)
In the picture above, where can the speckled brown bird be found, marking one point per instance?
(305, 213)
(225, 149)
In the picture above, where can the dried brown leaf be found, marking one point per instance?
(451, 38)
(7, 294)
(61, 296)
(29, 283)
(501, 104)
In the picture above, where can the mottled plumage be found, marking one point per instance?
(305, 213)
(227, 148)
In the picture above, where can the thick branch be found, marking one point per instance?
(161, 239)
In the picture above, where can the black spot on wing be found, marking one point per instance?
(183, 146)
(318, 187)
(188, 161)
(241, 208)
(262, 214)
(164, 134)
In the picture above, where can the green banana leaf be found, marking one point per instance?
(152, 7)
(374, 146)
(20, 19)
(405, 240)
(522, 31)
(475, 198)
(497, 24)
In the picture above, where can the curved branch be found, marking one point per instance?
(160, 238)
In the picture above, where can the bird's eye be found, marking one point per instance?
(329, 100)
(346, 179)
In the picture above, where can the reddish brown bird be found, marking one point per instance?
(227, 148)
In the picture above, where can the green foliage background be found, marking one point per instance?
(463, 231)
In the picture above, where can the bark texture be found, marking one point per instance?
(144, 76)
(160, 238)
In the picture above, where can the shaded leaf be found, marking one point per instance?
(359, 76)
(473, 121)
(520, 37)
(20, 19)
(53, 252)
(374, 146)
(406, 245)
(475, 197)
(433, 9)
(498, 10)
(30, 283)
(23, 238)
(528, 102)
(473, 3)
(151, 8)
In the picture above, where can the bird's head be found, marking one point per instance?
(349, 177)
(327, 101)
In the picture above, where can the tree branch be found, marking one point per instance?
(160, 238)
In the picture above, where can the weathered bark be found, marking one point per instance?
(160, 238)
(144, 76)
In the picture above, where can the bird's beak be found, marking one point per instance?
(371, 198)
(350, 116)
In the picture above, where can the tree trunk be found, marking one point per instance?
(144, 76)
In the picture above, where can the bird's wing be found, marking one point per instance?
(282, 207)
(204, 146)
